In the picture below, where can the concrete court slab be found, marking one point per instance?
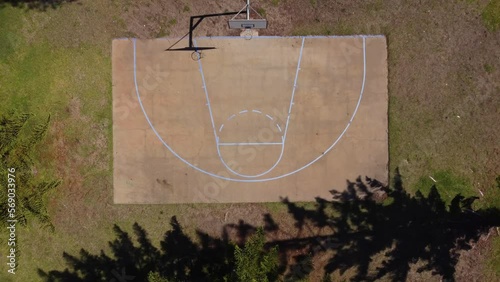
(252, 121)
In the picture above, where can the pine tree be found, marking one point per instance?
(253, 262)
(156, 277)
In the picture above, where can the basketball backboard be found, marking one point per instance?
(247, 24)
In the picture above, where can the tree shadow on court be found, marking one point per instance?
(369, 229)
(40, 5)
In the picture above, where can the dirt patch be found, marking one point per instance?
(79, 155)
(152, 19)
(70, 192)
(472, 264)
(74, 108)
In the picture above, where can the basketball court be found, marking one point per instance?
(254, 120)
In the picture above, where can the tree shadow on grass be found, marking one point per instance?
(364, 221)
(368, 219)
(40, 5)
(179, 258)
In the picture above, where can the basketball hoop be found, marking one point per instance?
(247, 34)
(247, 24)
(196, 55)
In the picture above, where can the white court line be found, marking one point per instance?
(250, 180)
(293, 92)
(242, 112)
(293, 36)
(245, 111)
(249, 143)
(348, 124)
(172, 39)
(271, 118)
(206, 96)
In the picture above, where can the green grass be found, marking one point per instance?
(73, 84)
(491, 15)
(396, 128)
(492, 196)
(26, 77)
(281, 208)
(375, 6)
(276, 207)
(447, 184)
(488, 68)
(8, 41)
(172, 22)
(261, 11)
(165, 29)
(494, 262)
(319, 29)
(164, 32)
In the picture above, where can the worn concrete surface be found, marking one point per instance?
(237, 129)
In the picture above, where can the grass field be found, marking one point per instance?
(444, 87)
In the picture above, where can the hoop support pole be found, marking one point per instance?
(248, 9)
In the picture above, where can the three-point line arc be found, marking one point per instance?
(246, 179)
